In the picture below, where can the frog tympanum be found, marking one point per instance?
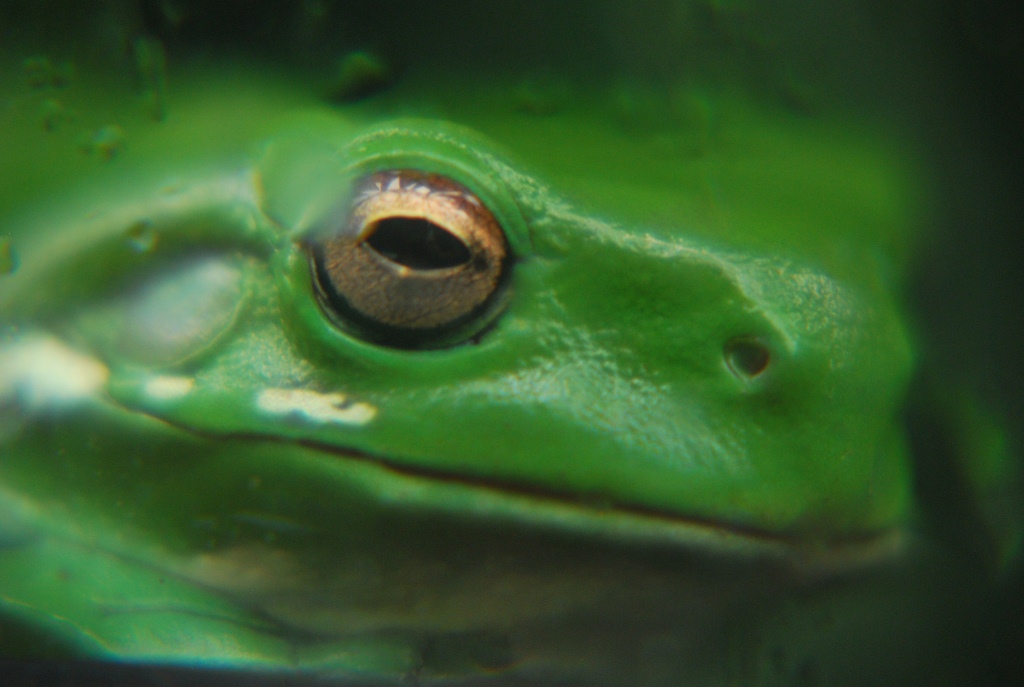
(465, 391)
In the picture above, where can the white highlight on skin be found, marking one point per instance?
(169, 388)
(322, 408)
(39, 372)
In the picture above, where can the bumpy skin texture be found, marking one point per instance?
(200, 463)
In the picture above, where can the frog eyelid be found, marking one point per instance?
(448, 150)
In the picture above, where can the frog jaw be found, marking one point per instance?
(331, 543)
(45, 376)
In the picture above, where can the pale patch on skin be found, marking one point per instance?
(40, 372)
(246, 570)
(169, 388)
(315, 406)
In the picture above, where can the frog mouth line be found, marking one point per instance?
(621, 524)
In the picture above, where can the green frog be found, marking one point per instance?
(443, 385)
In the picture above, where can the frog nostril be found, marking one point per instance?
(747, 357)
(418, 244)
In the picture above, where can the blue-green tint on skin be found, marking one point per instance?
(675, 433)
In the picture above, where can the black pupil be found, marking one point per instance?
(418, 244)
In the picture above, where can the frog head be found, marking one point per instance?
(384, 354)
(405, 295)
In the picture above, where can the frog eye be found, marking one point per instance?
(417, 256)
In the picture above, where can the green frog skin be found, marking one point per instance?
(646, 431)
